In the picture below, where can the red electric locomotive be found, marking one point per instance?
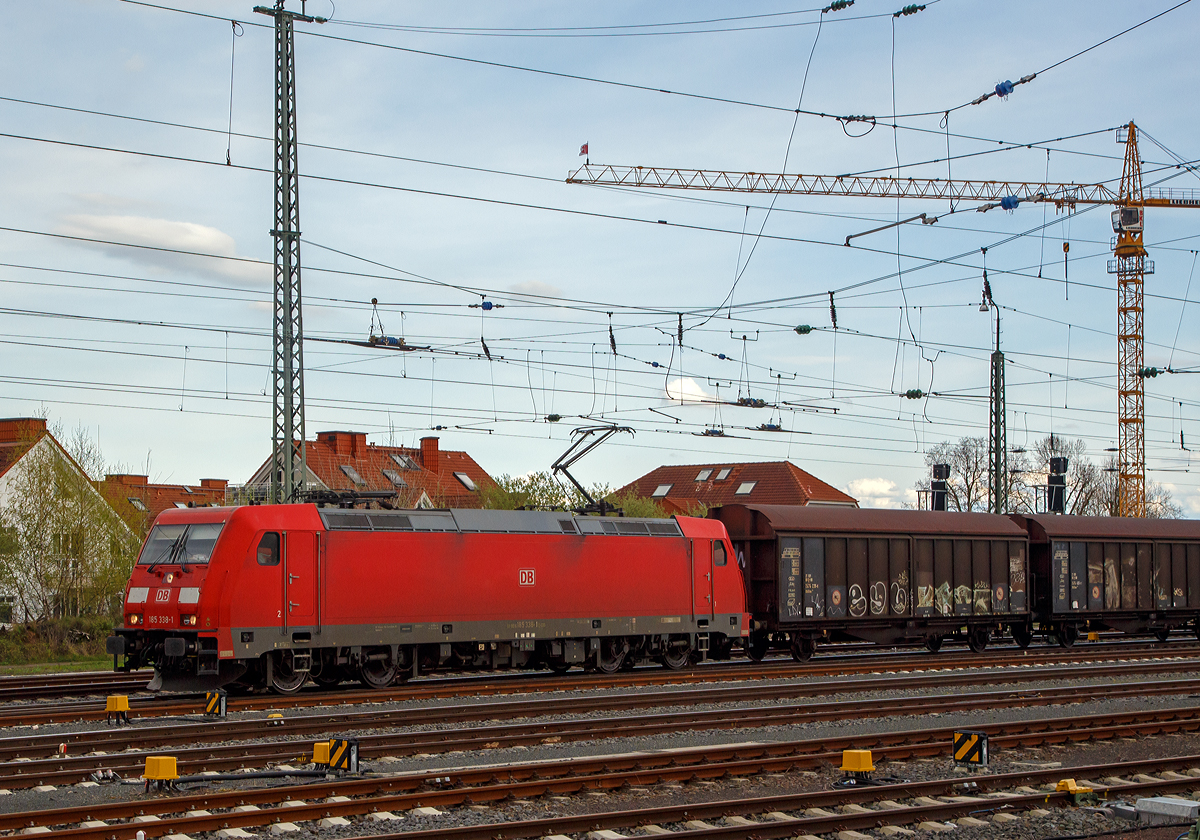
(274, 595)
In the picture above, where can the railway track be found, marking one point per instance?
(771, 816)
(847, 659)
(35, 760)
(1152, 660)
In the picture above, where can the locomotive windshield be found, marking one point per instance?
(180, 544)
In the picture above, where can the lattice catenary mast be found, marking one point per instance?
(1130, 263)
(288, 468)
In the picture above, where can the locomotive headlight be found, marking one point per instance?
(188, 621)
(134, 618)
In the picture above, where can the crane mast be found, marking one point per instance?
(1129, 263)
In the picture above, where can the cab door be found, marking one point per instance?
(300, 578)
(702, 582)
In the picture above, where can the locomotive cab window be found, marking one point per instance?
(268, 550)
(718, 553)
(190, 545)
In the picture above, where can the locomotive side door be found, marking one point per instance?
(299, 578)
(702, 585)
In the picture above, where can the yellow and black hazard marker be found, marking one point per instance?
(971, 748)
(343, 754)
(215, 703)
(337, 754)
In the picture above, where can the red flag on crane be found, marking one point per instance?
(583, 150)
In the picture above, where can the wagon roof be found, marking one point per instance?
(783, 518)
(1113, 528)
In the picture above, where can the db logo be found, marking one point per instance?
(525, 577)
(162, 595)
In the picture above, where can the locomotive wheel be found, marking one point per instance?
(612, 655)
(285, 679)
(803, 648)
(933, 644)
(757, 648)
(1022, 635)
(978, 639)
(377, 669)
(1066, 635)
(677, 654)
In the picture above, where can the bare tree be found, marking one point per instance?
(967, 488)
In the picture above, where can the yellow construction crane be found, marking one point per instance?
(1129, 263)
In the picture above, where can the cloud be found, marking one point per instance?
(1191, 504)
(135, 64)
(170, 235)
(686, 390)
(536, 287)
(879, 493)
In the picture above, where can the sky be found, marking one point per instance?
(135, 262)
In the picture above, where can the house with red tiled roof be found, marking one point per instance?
(63, 549)
(426, 477)
(139, 501)
(682, 489)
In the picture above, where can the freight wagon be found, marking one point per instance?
(1098, 573)
(817, 574)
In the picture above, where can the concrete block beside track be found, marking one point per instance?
(1157, 810)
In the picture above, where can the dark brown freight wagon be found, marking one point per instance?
(888, 576)
(1100, 572)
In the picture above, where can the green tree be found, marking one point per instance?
(68, 552)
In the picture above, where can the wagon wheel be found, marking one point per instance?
(756, 649)
(1022, 635)
(377, 670)
(285, 679)
(803, 648)
(677, 653)
(978, 639)
(1162, 633)
(611, 657)
(1066, 635)
(933, 643)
